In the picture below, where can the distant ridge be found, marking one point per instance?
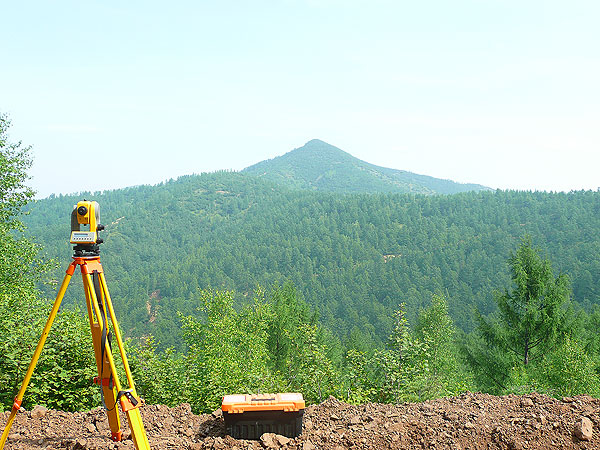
(322, 167)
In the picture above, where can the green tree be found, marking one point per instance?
(301, 352)
(227, 349)
(62, 379)
(402, 369)
(18, 256)
(446, 375)
(161, 377)
(530, 320)
(14, 163)
(308, 369)
(534, 313)
(62, 375)
(289, 312)
(592, 346)
(359, 385)
(566, 371)
(66, 366)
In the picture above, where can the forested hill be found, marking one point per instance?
(354, 257)
(323, 167)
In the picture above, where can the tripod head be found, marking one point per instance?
(85, 224)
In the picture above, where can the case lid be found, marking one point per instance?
(285, 401)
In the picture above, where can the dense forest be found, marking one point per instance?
(354, 258)
(227, 282)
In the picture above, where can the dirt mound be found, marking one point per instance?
(471, 421)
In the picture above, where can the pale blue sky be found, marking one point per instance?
(502, 93)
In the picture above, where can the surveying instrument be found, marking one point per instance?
(85, 225)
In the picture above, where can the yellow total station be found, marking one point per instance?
(85, 224)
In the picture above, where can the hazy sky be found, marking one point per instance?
(112, 94)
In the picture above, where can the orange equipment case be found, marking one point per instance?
(248, 416)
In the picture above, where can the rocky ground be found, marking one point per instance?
(470, 421)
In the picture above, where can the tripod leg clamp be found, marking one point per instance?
(17, 404)
(108, 382)
(128, 401)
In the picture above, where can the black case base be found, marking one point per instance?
(253, 424)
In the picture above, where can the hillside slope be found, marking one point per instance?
(323, 167)
(353, 257)
(473, 421)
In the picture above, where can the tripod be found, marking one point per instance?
(99, 308)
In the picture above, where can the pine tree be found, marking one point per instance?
(528, 324)
(532, 314)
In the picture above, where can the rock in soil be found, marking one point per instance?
(469, 421)
(584, 429)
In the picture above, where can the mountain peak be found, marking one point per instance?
(319, 145)
(314, 142)
(318, 165)
(317, 148)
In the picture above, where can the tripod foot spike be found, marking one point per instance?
(116, 436)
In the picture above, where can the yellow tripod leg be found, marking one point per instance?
(36, 355)
(138, 432)
(104, 379)
(117, 331)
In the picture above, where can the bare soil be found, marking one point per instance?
(470, 421)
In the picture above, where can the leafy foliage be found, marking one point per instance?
(289, 314)
(533, 313)
(63, 373)
(161, 377)
(14, 193)
(417, 365)
(565, 371)
(18, 256)
(447, 374)
(359, 386)
(308, 368)
(568, 370)
(404, 366)
(590, 337)
(227, 352)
